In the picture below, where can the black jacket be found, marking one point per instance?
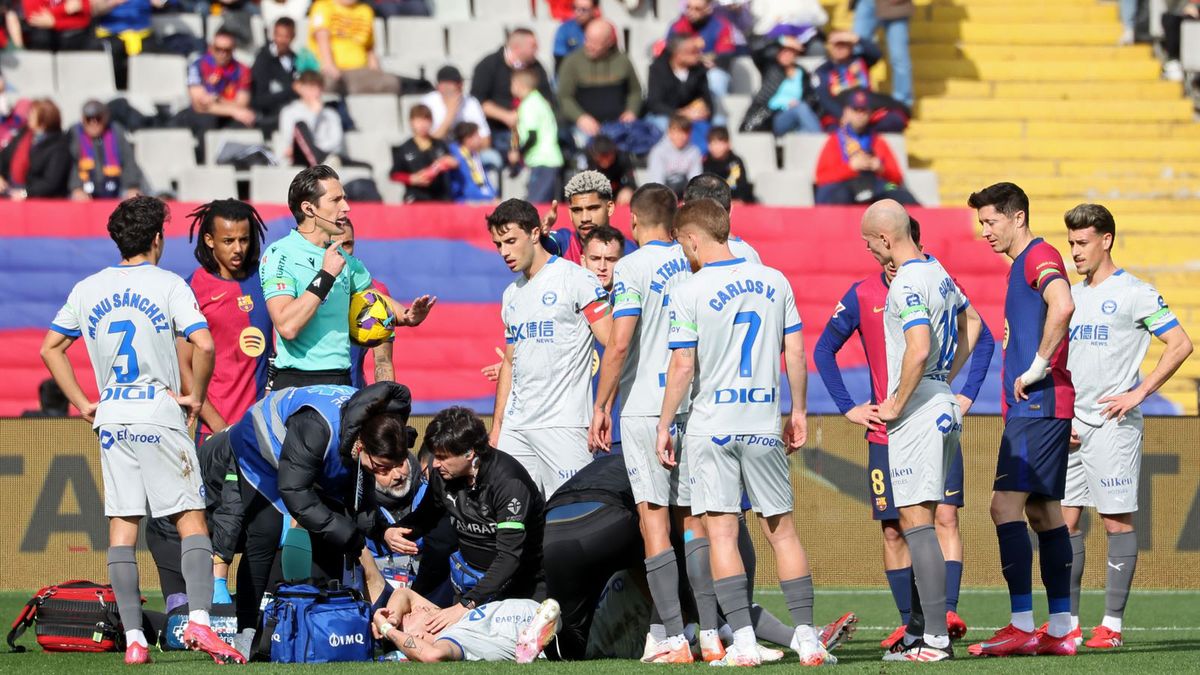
(666, 94)
(758, 115)
(49, 164)
(499, 522)
(271, 85)
(222, 496)
(332, 517)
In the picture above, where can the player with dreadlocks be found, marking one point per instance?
(229, 236)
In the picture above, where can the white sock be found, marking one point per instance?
(938, 641)
(1074, 622)
(198, 616)
(658, 632)
(1060, 624)
(709, 636)
(136, 636)
(1112, 623)
(1023, 620)
(744, 638)
(805, 634)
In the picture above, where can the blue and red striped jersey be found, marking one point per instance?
(1024, 322)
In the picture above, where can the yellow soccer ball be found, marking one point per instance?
(371, 319)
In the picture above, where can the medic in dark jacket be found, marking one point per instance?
(496, 510)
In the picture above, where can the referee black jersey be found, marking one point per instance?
(499, 521)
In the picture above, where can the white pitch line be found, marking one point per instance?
(969, 591)
(1136, 629)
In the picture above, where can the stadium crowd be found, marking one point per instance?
(596, 106)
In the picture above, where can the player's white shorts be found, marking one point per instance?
(721, 466)
(651, 481)
(1104, 471)
(147, 463)
(920, 450)
(551, 456)
(489, 632)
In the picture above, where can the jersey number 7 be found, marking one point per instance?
(753, 322)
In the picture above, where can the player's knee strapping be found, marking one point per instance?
(929, 572)
(1078, 556)
(195, 561)
(699, 573)
(798, 593)
(123, 575)
(662, 575)
(1055, 556)
(1122, 562)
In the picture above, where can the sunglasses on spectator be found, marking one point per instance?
(222, 49)
(93, 120)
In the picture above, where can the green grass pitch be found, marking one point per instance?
(1162, 635)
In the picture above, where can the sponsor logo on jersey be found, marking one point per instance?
(1116, 481)
(755, 439)
(902, 472)
(252, 341)
(946, 424)
(746, 395)
(135, 392)
(473, 528)
(1109, 307)
(542, 331)
(1089, 332)
(107, 438)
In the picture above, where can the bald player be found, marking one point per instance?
(925, 329)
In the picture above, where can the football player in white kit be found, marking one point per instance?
(925, 335)
(729, 323)
(551, 314)
(129, 316)
(712, 186)
(504, 630)
(1115, 315)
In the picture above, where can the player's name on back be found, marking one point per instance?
(740, 287)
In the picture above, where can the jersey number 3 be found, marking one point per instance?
(129, 373)
(753, 322)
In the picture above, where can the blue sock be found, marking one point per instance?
(1016, 563)
(1055, 547)
(901, 583)
(953, 582)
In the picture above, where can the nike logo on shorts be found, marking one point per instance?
(951, 493)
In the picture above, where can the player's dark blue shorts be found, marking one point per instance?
(879, 482)
(1033, 456)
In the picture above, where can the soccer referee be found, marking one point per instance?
(307, 281)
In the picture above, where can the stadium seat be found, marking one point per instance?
(407, 103)
(735, 107)
(452, 10)
(162, 77)
(745, 76)
(416, 38)
(166, 25)
(70, 105)
(269, 184)
(1189, 52)
(469, 41)
(923, 184)
(784, 188)
(757, 150)
(899, 148)
(206, 183)
(215, 140)
(372, 147)
(643, 35)
(801, 152)
(28, 74)
(504, 11)
(375, 112)
(393, 193)
(401, 65)
(164, 154)
(514, 187)
(88, 73)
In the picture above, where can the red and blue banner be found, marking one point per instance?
(445, 250)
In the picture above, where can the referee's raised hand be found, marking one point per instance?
(333, 261)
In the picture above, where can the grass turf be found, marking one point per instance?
(1162, 634)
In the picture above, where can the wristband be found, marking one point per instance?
(384, 629)
(1037, 370)
(321, 284)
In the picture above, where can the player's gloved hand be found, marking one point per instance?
(1036, 373)
(221, 594)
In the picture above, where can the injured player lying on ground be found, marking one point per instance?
(505, 630)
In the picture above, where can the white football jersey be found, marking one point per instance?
(740, 249)
(551, 336)
(922, 293)
(735, 314)
(489, 632)
(128, 317)
(642, 284)
(1110, 333)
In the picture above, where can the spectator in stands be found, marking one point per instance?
(52, 402)
(700, 19)
(449, 106)
(402, 8)
(57, 25)
(781, 105)
(598, 84)
(38, 160)
(721, 161)
(234, 16)
(105, 167)
(13, 114)
(537, 139)
(1172, 24)
(11, 35)
(674, 160)
(1128, 10)
(848, 67)
(342, 35)
(856, 166)
(219, 89)
(469, 182)
(776, 19)
(678, 84)
(893, 16)
(604, 156)
(569, 35)
(423, 163)
(315, 131)
(123, 26)
(491, 84)
(272, 74)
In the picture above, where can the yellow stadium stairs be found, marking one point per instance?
(1039, 93)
